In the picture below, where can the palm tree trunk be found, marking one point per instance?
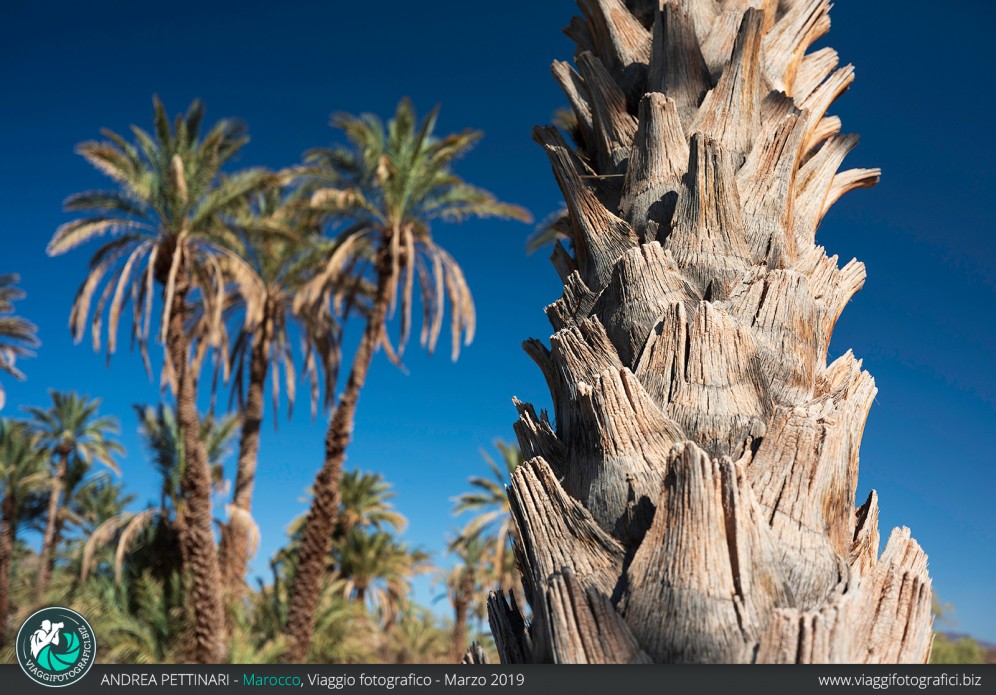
(461, 605)
(197, 533)
(695, 499)
(316, 541)
(235, 540)
(7, 526)
(49, 540)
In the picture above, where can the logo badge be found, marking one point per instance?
(56, 647)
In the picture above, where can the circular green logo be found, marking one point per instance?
(56, 647)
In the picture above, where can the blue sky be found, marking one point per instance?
(924, 323)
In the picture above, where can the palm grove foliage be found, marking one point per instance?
(693, 498)
(254, 272)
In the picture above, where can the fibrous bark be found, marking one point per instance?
(200, 554)
(693, 499)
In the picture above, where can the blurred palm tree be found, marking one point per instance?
(492, 517)
(365, 504)
(416, 638)
(17, 335)
(169, 216)
(166, 447)
(94, 502)
(377, 571)
(386, 188)
(71, 430)
(281, 249)
(23, 476)
(467, 586)
(345, 633)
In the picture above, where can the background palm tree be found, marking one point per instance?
(693, 499)
(366, 560)
(377, 570)
(466, 585)
(169, 219)
(23, 474)
(492, 518)
(17, 335)
(166, 447)
(281, 247)
(71, 430)
(365, 504)
(386, 187)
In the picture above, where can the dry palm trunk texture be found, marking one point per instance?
(695, 500)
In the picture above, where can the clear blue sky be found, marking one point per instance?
(924, 323)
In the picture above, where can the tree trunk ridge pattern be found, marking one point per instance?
(694, 498)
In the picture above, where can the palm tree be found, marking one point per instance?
(492, 518)
(344, 632)
(694, 499)
(377, 570)
(388, 185)
(281, 249)
(22, 478)
(465, 585)
(168, 216)
(365, 504)
(95, 501)
(70, 430)
(17, 336)
(160, 430)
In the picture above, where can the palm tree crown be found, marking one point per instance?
(168, 212)
(388, 185)
(492, 517)
(73, 428)
(280, 249)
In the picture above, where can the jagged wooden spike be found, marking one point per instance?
(645, 282)
(694, 498)
(576, 93)
(767, 186)
(785, 46)
(721, 400)
(708, 238)
(731, 112)
(601, 237)
(677, 68)
(657, 162)
(614, 126)
(704, 582)
(622, 41)
(783, 316)
(618, 452)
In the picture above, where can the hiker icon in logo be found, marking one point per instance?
(56, 647)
